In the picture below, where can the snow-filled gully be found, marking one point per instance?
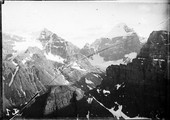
(13, 75)
(118, 113)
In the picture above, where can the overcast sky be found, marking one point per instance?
(82, 22)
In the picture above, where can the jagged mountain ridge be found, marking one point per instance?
(56, 45)
(136, 90)
(32, 71)
(74, 70)
(120, 29)
(122, 47)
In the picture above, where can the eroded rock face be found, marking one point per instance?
(59, 97)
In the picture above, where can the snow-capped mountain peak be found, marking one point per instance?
(119, 30)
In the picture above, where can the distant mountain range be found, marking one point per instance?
(120, 46)
(115, 76)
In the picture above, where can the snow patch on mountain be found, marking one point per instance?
(97, 60)
(22, 46)
(13, 75)
(87, 116)
(28, 58)
(90, 88)
(55, 58)
(139, 118)
(131, 56)
(88, 81)
(96, 75)
(118, 113)
(22, 90)
(89, 100)
(76, 66)
(118, 86)
(14, 63)
(106, 92)
(25, 60)
(60, 80)
(64, 81)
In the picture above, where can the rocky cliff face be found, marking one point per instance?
(121, 46)
(56, 45)
(141, 86)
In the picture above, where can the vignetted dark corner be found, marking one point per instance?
(118, 76)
